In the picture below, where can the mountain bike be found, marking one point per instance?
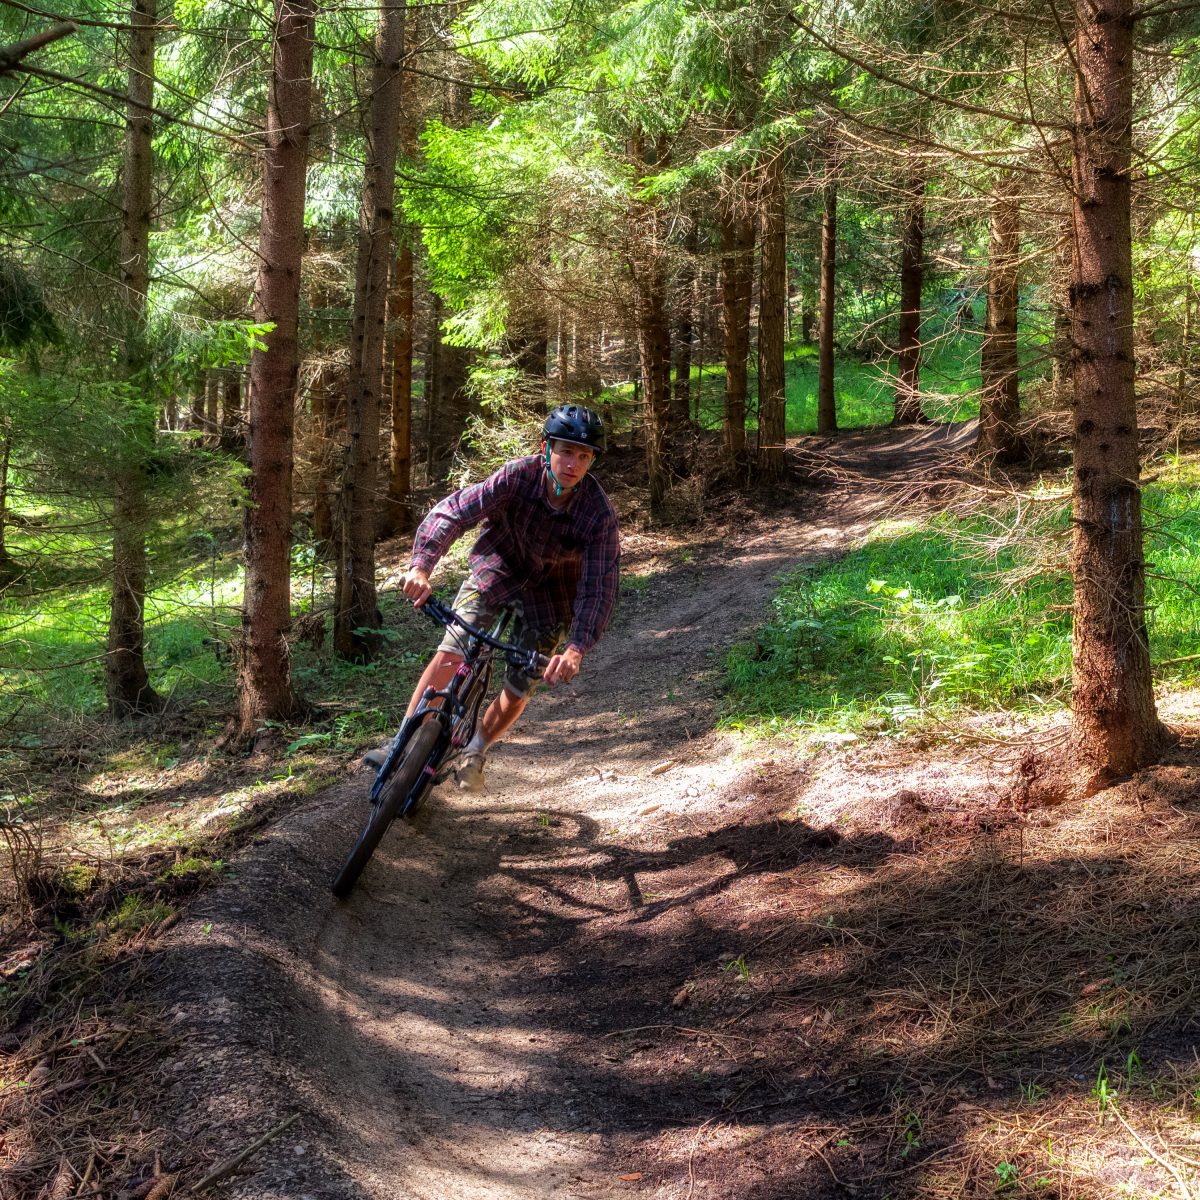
(424, 749)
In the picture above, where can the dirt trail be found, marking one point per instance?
(444, 1032)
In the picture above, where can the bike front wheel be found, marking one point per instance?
(396, 790)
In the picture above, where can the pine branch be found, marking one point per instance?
(11, 56)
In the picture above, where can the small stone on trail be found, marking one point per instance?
(299, 1148)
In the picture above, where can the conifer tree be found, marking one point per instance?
(129, 690)
(265, 688)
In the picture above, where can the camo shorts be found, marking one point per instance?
(472, 607)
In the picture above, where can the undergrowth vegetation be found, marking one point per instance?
(956, 612)
(865, 387)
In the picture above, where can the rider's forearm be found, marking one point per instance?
(449, 519)
(596, 595)
(594, 604)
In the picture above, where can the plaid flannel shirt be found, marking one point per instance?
(561, 564)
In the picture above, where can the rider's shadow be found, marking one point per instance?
(686, 870)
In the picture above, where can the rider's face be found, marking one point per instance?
(570, 462)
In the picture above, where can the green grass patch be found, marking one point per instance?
(947, 615)
(191, 868)
(136, 912)
(865, 390)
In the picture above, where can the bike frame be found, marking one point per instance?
(460, 702)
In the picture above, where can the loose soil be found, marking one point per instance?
(653, 960)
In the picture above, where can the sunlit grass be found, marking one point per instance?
(865, 390)
(944, 616)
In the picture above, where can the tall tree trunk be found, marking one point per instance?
(737, 278)
(358, 609)
(654, 351)
(560, 356)
(328, 407)
(998, 440)
(1061, 354)
(451, 366)
(647, 263)
(912, 280)
(6, 561)
(212, 406)
(772, 320)
(232, 433)
(433, 379)
(195, 417)
(398, 515)
(1115, 729)
(681, 395)
(128, 685)
(826, 393)
(264, 674)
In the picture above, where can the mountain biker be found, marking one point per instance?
(549, 546)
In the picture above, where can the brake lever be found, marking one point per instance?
(435, 610)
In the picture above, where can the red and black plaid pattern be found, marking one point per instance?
(561, 564)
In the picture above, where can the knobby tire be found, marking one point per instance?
(395, 792)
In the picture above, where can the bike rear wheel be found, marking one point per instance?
(398, 788)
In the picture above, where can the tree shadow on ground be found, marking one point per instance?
(774, 1010)
(898, 1004)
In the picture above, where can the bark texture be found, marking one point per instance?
(737, 279)
(772, 322)
(233, 433)
(648, 267)
(1060, 367)
(397, 512)
(128, 685)
(826, 395)
(681, 393)
(1115, 729)
(398, 516)
(912, 281)
(264, 668)
(327, 399)
(212, 406)
(7, 566)
(357, 609)
(1000, 410)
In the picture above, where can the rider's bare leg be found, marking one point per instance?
(438, 673)
(501, 714)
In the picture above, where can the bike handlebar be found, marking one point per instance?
(529, 661)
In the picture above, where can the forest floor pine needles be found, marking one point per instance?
(930, 988)
(983, 1002)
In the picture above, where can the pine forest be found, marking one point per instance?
(861, 860)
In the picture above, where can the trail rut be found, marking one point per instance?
(444, 1032)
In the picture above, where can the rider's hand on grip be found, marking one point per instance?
(562, 668)
(416, 586)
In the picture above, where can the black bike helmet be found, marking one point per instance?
(574, 423)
